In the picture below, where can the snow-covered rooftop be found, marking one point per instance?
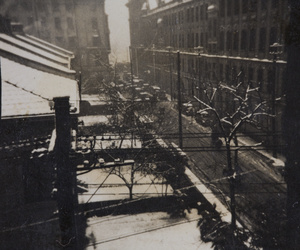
(28, 47)
(27, 91)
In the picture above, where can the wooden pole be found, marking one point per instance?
(65, 185)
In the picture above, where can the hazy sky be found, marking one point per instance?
(119, 29)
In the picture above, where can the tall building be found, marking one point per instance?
(79, 26)
(218, 41)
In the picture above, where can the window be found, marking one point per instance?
(201, 12)
(59, 40)
(229, 40)
(263, 4)
(250, 74)
(222, 8)
(30, 20)
(229, 7)
(94, 23)
(72, 41)
(275, 3)
(252, 39)
(244, 6)
(214, 28)
(222, 41)
(253, 5)
(188, 15)
(273, 35)
(236, 7)
(96, 41)
(55, 5)
(244, 40)
(70, 23)
(235, 40)
(262, 39)
(192, 14)
(227, 73)
(57, 23)
(260, 73)
(25, 4)
(69, 5)
(197, 13)
(221, 71)
(202, 39)
(197, 39)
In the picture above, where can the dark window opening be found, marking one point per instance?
(262, 39)
(229, 6)
(222, 40)
(235, 40)
(236, 7)
(229, 40)
(244, 40)
(222, 8)
(57, 23)
(252, 39)
(244, 6)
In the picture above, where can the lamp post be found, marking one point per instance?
(154, 73)
(199, 50)
(275, 50)
(179, 100)
(169, 48)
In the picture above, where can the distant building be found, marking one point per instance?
(219, 40)
(79, 26)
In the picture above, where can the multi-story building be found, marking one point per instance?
(79, 26)
(218, 41)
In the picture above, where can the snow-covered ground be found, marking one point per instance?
(145, 231)
(113, 188)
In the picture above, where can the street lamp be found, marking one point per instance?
(275, 50)
(153, 54)
(179, 100)
(199, 51)
(169, 48)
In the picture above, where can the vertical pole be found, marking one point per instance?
(65, 188)
(179, 100)
(154, 73)
(137, 62)
(274, 136)
(0, 91)
(171, 80)
(131, 67)
(292, 128)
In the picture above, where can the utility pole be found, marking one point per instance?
(179, 100)
(170, 71)
(292, 127)
(65, 184)
(275, 49)
(154, 73)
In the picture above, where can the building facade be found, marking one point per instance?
(218, 41)
(79, 26)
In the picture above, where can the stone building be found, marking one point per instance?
(218, 41)
(79, 26)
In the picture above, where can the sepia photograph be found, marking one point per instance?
(150, 124)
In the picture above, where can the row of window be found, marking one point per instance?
(72, 41)
(57, 22)
(234, 7)
(244, 40)
(196, 14)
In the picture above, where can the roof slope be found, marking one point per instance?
(27, 91)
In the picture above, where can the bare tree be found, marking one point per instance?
(244, 105)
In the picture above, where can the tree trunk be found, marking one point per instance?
(231, 186)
